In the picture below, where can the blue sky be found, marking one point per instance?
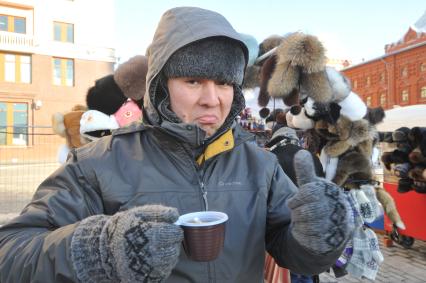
(349, 29)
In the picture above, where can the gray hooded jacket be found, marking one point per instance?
(154, 163)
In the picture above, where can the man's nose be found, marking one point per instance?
(209, 96)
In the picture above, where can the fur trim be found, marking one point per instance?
(352, 164)
(304, 51)
(131, 77)
(283, 81)
(316, 86)
(269, 43)
(58, 126)
(265, 74)
(389, 207)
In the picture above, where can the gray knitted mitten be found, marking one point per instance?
(138, 245)
(320, 211)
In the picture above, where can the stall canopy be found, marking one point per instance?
(408, 116)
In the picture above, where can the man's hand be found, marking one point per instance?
(320, 210)
(138, 245)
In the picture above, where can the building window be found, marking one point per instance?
(63, 32)
(404, 72)
(15, 68)
(368, 81)
(404, 95)
(383, 99)
(13, 24)
(355, 84)
(423, 92)
(422, 67)
(13, 123)
(382, 77)
(63, 72)
(368, 101)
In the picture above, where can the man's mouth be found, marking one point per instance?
(208, 119)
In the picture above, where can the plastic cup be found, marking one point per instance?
(204, 234)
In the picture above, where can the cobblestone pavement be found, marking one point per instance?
(400, 265)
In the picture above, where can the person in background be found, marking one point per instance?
(285, 144)
(107, 215)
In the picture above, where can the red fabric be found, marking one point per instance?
(273, 273)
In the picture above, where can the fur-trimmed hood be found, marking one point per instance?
(179, 27)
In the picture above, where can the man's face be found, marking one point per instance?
(204, 102)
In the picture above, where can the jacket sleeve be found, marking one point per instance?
(34, 247)
(280, 243)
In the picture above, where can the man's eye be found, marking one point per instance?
(223, 83)
(192, 82)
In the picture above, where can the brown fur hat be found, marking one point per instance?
(265, 74)
(344, 135)
(352, 164)
(131, 77)
(302, 50)
(67, 125)
(300, 64)
(269, 43)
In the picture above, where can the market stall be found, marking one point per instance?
(410, 202)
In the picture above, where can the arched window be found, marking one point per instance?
(404, 95)
(383, 99)
(368, 101)
(423, 92)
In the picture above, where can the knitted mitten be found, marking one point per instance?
(138, 245)
(366, 256)
(320, 211)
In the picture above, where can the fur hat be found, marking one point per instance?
(215, 58)
(111, 91)
(105, 96)
(131, 77)
(270, 43)
(94, 121)
(67, 125)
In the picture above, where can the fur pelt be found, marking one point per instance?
(304, 51)
(389, 206)
(344, 135)
(352, 164)
(265, 74)
(131, 77)
(269, 43)
(67, 125)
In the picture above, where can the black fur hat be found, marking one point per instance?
(217, 58)
(105, 96)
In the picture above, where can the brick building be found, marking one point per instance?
(51, 52)
(399, 76)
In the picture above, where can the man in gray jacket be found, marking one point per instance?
(107, 214)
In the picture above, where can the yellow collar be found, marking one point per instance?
(223, 143)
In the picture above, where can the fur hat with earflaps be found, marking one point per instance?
(128, 82)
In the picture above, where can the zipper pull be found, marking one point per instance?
(204, 192)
